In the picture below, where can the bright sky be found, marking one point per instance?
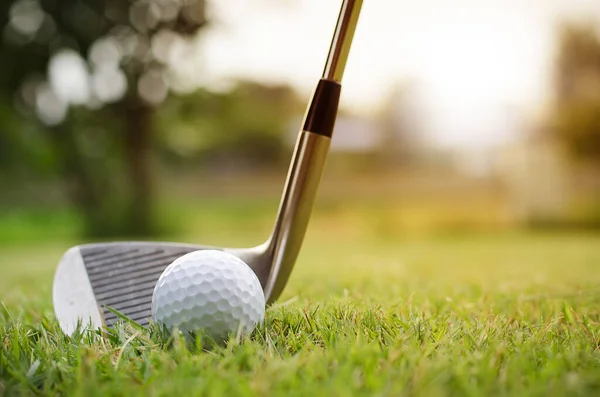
(478, 63)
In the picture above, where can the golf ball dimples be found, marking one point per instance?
(208, 290)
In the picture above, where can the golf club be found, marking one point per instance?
(122, 275)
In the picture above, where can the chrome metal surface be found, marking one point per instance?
(72, 295)
(296, 206)
(342, 40)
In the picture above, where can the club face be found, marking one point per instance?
(118, 275)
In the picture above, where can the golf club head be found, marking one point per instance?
(120, 275)
(92, 277)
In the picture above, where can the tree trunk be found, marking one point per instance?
(81, 187)
(138, 136)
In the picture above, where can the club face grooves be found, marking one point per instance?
(128, 276)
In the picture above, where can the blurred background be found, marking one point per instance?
(176, 118)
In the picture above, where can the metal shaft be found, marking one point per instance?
(342, 40)
(309, 158)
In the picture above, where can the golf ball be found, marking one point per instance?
(210, 291)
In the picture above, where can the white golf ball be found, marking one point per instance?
(210, 291)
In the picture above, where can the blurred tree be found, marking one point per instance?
(243, 127)
(576, 114)
(402, 144)
(92, 72)
(23, 151)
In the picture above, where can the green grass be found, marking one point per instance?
(365, 313)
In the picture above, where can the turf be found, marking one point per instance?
(497, 314)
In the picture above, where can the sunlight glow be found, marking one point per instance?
(477, 63)
(473, 66)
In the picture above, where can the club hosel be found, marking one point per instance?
(304, 176)
(295, 209)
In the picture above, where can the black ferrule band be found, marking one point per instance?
(320, 118)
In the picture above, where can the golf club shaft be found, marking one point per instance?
(342, 40)
(310, 155)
